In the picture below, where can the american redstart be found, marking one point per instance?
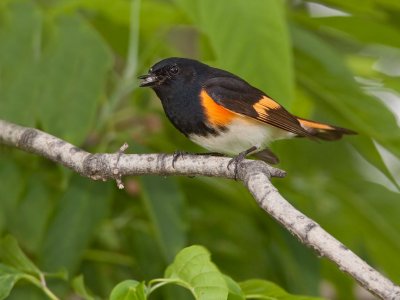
(223, 113)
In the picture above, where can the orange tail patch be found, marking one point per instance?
(324, 131)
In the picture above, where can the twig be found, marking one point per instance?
(254, 174)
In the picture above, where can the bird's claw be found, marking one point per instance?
(237, 160)
(176, 155)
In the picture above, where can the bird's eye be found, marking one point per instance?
(174, 70)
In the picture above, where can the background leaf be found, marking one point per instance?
(12, 255)
(8, 278)
(53, 77)
(164, 202)
(76, 219)
(262, 28)
(256, 289)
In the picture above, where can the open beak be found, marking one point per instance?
(148, 80)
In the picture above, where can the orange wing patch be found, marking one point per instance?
(264, 105)
(267, 103)
(315, 125)
(216, 114)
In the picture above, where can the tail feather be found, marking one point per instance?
(324, 131)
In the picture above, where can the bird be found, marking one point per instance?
(225, 114)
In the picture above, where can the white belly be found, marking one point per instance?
(240, 136)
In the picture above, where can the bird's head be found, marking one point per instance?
(172, 72)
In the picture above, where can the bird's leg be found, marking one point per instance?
(179, 153)
(238, 158)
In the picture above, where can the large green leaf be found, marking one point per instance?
(164, 203)
(57, 78)
(249, 38)
(193, 269)
(362, 29)
(84, 204)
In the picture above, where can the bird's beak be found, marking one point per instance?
(148, 80)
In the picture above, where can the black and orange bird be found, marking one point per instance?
(225, 114)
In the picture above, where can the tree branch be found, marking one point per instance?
(254, 174)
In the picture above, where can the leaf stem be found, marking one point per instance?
(41, 284)
(125, 83)
(161, 282)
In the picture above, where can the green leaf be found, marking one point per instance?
(357, 7)
(262, 289)
(164, 202)
(9, 177)
(249, 38)
(27, 227)
(8, 278)
(193, 269)
(375, 212)
(12, 255)
(369, 151)
(78, 285)
(235, 292)
(342, 97)
(68, 99)
(21, 25)
(58, 77)
(363, 29)
(84, 204)
(129, 290)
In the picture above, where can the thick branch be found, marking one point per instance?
(255, 175)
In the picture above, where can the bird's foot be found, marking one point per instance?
(239, 158)
(176, 155)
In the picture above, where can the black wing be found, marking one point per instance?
(240, 97)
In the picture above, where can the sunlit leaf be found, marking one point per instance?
(193, 269)
(129, 290)
(235, 292)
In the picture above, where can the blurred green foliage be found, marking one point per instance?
(69, 67)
